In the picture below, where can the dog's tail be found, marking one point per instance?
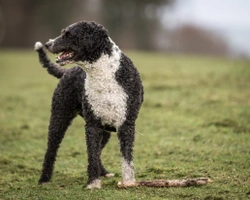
(52, 68)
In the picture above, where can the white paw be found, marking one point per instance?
(94, 184)
(109, 175)
(38, 45)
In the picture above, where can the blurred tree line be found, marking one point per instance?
(132, 24)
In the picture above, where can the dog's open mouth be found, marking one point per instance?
(66, 57)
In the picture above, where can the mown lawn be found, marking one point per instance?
(195, 122)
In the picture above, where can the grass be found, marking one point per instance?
(195, 122)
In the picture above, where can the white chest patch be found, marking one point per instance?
(106, 97)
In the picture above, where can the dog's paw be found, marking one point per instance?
(45, 178)
(109, 175)
(41, 182)
(126, 184)
(94, 184)
(38, 46)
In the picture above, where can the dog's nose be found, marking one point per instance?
(47, 45)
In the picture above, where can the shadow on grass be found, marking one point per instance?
(230, 124)
(19, 173)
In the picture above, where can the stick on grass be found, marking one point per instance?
(166, 183)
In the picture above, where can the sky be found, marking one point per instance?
(230, 18)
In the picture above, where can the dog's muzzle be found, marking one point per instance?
(49, 43)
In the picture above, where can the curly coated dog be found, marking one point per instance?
(105, 89)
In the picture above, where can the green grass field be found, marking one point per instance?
(195, 122)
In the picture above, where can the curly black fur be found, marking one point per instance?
(87, 43)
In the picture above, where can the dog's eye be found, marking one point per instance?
(66, 34)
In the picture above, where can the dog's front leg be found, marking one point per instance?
(93, 140)
(126, 135)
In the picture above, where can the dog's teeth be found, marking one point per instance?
(64, 56)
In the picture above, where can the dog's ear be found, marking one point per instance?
(96, 38)
(99, 26)
(92, 24)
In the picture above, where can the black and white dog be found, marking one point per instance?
(105, 89)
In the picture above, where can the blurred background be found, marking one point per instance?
(220, 28)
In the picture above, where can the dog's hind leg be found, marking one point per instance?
(64, 109)
(126, 135)
(59, 123)
(105, 139)
(57, 129)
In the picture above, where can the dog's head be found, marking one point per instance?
(81, 41)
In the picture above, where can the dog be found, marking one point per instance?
(104, 88)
